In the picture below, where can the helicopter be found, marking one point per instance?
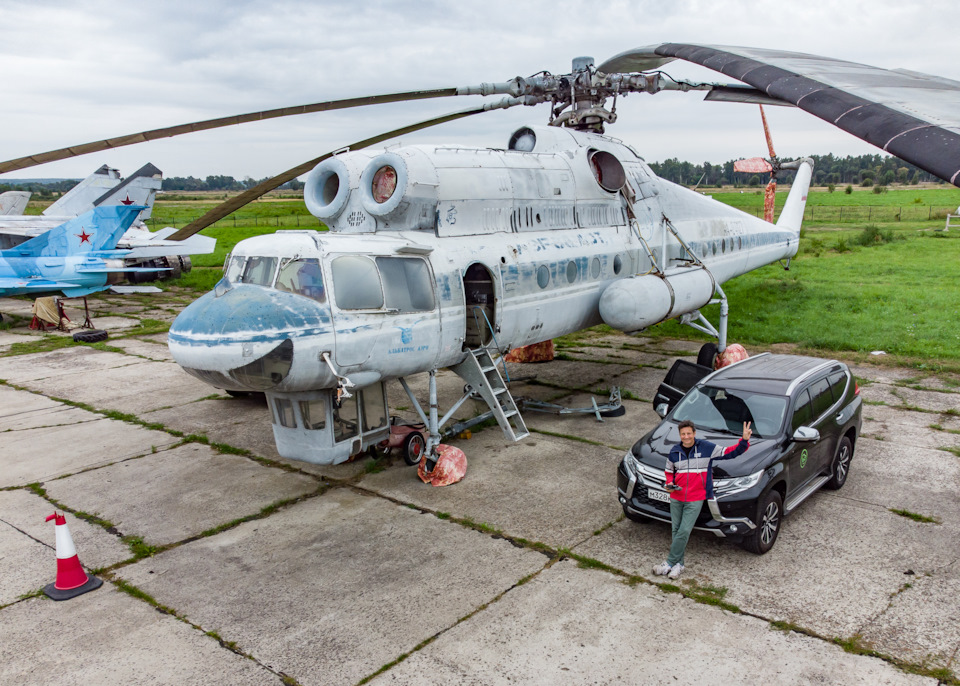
(447, 256)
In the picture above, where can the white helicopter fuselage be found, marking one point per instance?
(462, 248)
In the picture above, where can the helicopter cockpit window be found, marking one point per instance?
(406, 284)
(356, 283)
(302, 277)
(259, 270)
(234, 268)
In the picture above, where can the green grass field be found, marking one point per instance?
(862, 205)
(898, 296)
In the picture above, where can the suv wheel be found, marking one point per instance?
(841, 465)
(762, 538)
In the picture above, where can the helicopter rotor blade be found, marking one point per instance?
(171, 131)
(248, 196)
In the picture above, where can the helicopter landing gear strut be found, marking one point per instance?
(432, 422)
(710, 352)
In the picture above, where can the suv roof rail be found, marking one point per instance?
(807, 374)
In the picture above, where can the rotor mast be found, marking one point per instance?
(579, 99)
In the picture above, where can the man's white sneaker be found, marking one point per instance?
(662, 569)
(676, 571)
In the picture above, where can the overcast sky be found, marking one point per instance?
(79, 71)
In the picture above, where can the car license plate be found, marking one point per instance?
(662, 496)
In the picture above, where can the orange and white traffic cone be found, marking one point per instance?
(71, 579)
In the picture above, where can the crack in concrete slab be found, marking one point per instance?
(427, 641)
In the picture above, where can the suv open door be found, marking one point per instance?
(681, 378)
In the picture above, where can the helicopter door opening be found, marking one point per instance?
(480, 297)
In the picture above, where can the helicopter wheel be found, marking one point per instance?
(413, 448)
(707, 357)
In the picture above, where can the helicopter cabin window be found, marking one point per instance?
(314, 413)
(302, 277)
(234, 268)
(374, 412)
(345, 419)
(285, 416)
(543, 276)
(356, 283)
(406, 284)
(259, 270)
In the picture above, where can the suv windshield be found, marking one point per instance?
(722, 409)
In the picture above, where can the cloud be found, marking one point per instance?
(75, 73)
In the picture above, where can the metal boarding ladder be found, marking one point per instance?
(480, 371)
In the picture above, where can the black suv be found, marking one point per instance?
(805, 415)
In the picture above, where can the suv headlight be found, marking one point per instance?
(630, 462)
(741, 483)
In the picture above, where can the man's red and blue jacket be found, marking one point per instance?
(693, 470)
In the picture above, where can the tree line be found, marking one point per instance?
(220, 183)
(863, 170)
(49, 189)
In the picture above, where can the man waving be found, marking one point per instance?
(689, 478)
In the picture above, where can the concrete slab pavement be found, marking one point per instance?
(352, 573)
(7, 339)
(893, 475)
(25, 410)
(641, 383)
(144, 348)
(542, 489)
(178, 493)
(922, 622)
(332, 588)
(909, 428)
(63, 362)
(148, 386)
(615, 432)
(38, 454)
(16, 306)
(45, 642)
(575, 626)
(576, 374)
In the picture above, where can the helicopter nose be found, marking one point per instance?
(244, 335)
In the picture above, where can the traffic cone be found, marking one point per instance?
(71, 579)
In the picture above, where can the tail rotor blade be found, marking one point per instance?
(766, 132)
(753, 165)
(770, 199)
(248, 196)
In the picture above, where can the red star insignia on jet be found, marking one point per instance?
(128, 201)
(83, 236)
